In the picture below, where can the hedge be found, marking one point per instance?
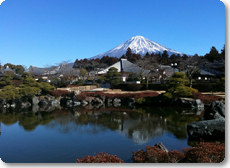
(201, 87)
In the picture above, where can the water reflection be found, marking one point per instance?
(139, 124)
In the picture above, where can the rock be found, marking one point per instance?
(35, 100)
(161, 147)
(215, 110)
(109, 102)
(13, 105)
(207, 129)
(116, 102)
(84, 103)
(25, 104)
(35, 108)
(43, 103)
(189, 102)
(97, 101)
(131, 101)
(55, 102)
(69, 102)
(76, 103)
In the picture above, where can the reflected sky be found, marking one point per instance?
(63, 136)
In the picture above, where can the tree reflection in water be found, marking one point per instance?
(140, 125)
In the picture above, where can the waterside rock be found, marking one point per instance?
(215, 110)
(207, 129)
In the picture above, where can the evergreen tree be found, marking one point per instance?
(113, 77)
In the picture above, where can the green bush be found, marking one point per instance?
(45, 87)
(29, 91)
(140, 100)
(176, 86)
(9, 92)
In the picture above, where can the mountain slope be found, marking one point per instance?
(139, 45)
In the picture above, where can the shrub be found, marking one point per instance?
(206, 99)
(121, 95)
(156, 155)
(205, 152)
(45, 87)
(28, 91)
(58, 93)
(140, 100)
(82, 96)
(100, 158)
(9, 92)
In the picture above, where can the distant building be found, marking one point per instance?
(7, 69)
(125, 68)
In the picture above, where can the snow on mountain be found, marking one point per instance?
(139, 45)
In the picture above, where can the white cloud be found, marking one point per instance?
(1, 1)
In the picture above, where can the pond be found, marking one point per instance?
(64, 134)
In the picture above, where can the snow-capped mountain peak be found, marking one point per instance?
(139, 45)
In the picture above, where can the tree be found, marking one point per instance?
(133, 77)
(113, 77)
(45, 87)
(6, 80)
(223, 52)
(9, 93)
(129, 53)
(27, 91)
(165, 57)
(213, 55)
(83, 73)
(147, 65)
(19, 69)
(176, 86)
(191, 72)
(29, 81)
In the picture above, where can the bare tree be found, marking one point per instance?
(147, 66)
(190, 72)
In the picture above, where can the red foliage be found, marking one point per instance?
(100, 158)
(205, 152)
(58, 93)
(156, 155)
(122, 95)
(206, 99)
(82, 96)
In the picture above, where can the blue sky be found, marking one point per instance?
(45, 32)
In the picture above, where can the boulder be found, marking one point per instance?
(35, 100)
(207, 129)
(215, 110)
(43, 103)
(161, 147)
(189, 102)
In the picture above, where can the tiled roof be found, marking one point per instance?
(125, 66)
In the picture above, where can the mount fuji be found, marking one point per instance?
(138, 45)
